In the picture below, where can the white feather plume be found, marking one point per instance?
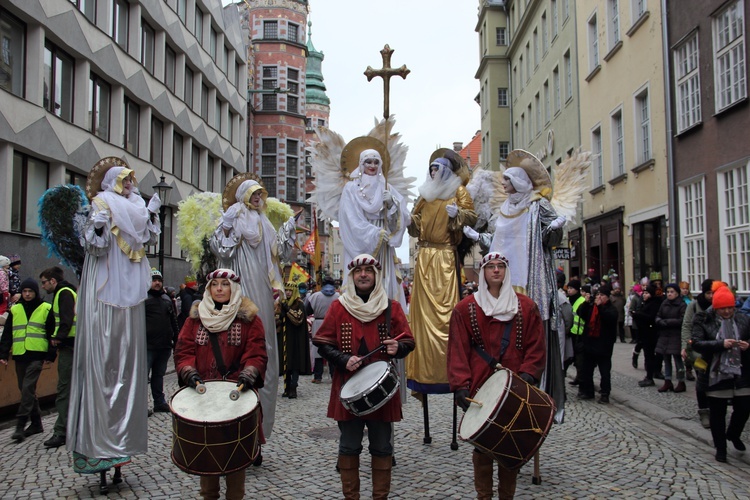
(570, 181)
(487, 193)
(330, 178)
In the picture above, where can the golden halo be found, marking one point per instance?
(463, 171)
(228, 196)
(350, 154)
(534, 168)
(97, 173)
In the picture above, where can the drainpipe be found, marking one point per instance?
(670, 157)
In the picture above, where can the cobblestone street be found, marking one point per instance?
(644, 445)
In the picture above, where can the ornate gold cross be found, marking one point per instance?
(386, 72)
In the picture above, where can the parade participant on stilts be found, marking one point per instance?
(491, 309)
(107, 418)
(247, 242)
(294, 345)
(355, 324)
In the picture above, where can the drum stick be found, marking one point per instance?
(479, 403)
(379, 348)
(234, 394)
(200, 388)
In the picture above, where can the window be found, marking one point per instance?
(321, 122)
(188, 87)
(596, 157)
(337, 258)
(268, 164)
(217, 115)
(212, 43)
(292, 169)
(687, 83)
(157, 142)
(210, 174)
(292, 99)
(198, 31)
(30, 181)
(593, 44)
(177, 145)
(530, 125)
(88, 7)
(553, 11)
(536, 48)
(58, 82)
(237, 69)
(566, 9)
(613, 22)
(729, 55)
(147, 46)
(692, 232)
(503, 150)
(195, 166)
(75, 179)
(545, 34)
(13, 67)
(643, 132)
(556, 88)
(98, 117)
(204, 102)
(520, 76)
(292, 30)
(120, 23)
(225, 60)
(547, 107)
(734, 223)
(182, 10)
(270, 82)
(270, 30)
(170, 61)
(502, 97)
(618, 150)
(528, 63)
(501, 37)
(130, 129)
(538, 121)
(568, 76)
(638, 8)
(229, 135)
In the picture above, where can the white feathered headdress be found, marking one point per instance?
(330, 176)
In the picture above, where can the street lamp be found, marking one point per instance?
(163, 190)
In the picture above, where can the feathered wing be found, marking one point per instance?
(570, 181)
(325, 159)
(397, 151)
(63, 211)
(197, 218)
(278, 212)
(487, 193)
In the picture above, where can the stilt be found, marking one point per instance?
(537, 477)
(454, 443)
(117, 476)
(103, 488)
(427, 439)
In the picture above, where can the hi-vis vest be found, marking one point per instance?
(56, 312)
(578, 324)
(28, 333)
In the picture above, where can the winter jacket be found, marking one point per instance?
(645, 317)
(705, 328)
(668, 324)
(161, 323)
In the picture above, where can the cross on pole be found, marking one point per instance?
(386, 72)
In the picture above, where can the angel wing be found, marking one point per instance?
(488, 195)
(570, 181)
(330, 178)
(278, 212)
(197, 218)
(63, 211)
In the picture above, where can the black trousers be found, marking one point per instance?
(604, 363)
(740, 413)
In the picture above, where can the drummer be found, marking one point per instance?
(354, 325)
(496, 323)
(224, 313)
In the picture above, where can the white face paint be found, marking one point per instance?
(508, 186)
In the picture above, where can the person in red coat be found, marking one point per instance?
(353, 326)
(491, 312)
(233, 319)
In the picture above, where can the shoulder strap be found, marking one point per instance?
(217, 354)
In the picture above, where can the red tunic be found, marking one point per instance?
(339, 329)
(467, 370)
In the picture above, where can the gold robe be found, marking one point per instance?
(435, 291)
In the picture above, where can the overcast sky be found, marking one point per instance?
(434, 106)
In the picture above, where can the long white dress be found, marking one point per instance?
(108, 413)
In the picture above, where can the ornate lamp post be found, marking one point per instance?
(163, 190)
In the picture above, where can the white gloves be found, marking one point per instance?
(100, 219)
(452, 210)
(557, 223)
(228, 217)
(387, 199)
(154, 204)
(470, 233)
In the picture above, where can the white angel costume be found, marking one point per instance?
(108, 411)
(247, 242)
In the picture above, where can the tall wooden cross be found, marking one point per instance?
(386, 72)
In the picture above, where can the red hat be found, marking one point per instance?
(723, 297)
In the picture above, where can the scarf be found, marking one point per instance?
(729, 364)
(369, 187)
(218, 320)
(353, 303)
(129, 214)
(595, 327)
(443, 186)
(502, 308)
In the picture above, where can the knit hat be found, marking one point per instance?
(575, 284)
(14, 259)
(31, 284)
(723, 297)
(651, 289)
(637, 289)
(673, 286)
(716, 285)
(156, 275)
(4, 261)
(706, 285)
(604, 290)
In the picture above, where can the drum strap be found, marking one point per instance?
(219, 358)
(476, 339)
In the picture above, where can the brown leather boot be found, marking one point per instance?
(349, 467)
(667, 386)
(236, 485)
(381, 477)
(482, 475)
(680, 387)
(506, 488)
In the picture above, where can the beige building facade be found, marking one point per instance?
(621, 74)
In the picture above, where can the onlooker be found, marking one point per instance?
(14, 279)
(188, 294)
(645, 318)
(598, 343)
(634, 303)
(669, 344)
(701, 303)
(63, 339)
(721, 336)
(617, 299)
(4, 284)
(27, 331)
(317, 306)
(581, 308)
(685, 292)
(161, 332)
(566, 323)
(294, 344)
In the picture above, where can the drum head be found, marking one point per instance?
(364, 379)
(214, 405)
(491, 394)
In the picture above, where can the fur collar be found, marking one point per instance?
(247, 312)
